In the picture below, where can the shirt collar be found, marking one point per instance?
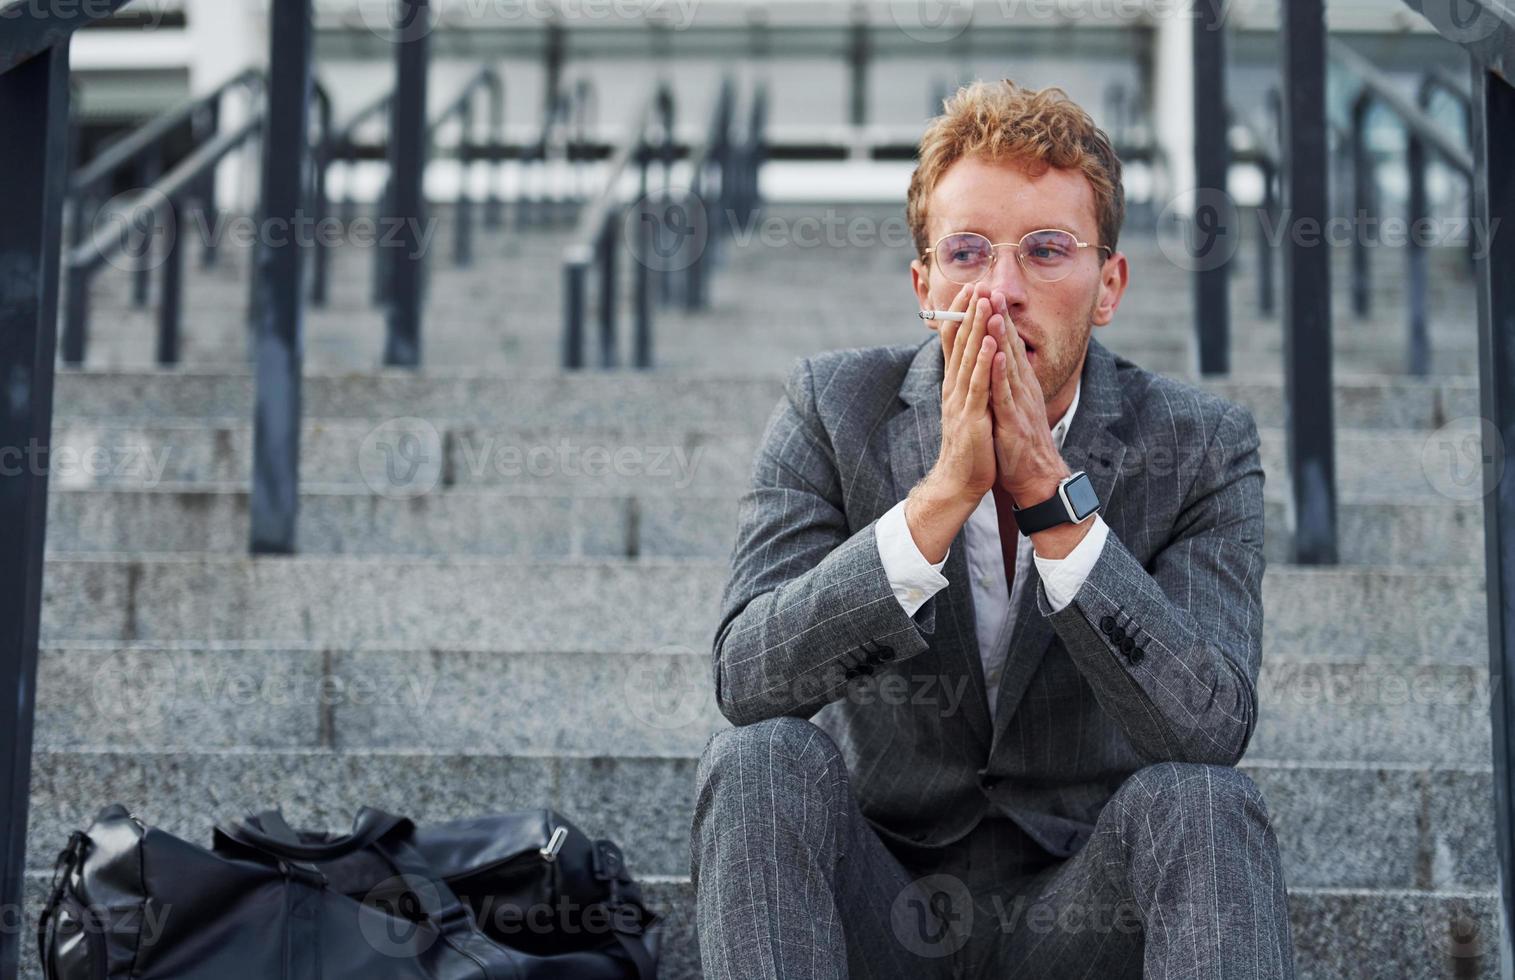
(1060, 430)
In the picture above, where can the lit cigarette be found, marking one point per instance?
(942, 315)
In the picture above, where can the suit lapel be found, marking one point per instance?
(913, 441)
(1089, 445)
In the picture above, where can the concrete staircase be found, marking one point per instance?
(509, 577)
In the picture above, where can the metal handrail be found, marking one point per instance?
(593, 241)
(163, 199)
(134, 146)
(1423, 136)
(343, 146)
(461, 108)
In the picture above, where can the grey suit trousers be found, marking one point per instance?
(1180, 878)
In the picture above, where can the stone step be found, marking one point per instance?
(1373, 706)
(564, 521)
(718, 401)
(409, 457)
(1408, 935)
(1338, 826)
(1431, 613)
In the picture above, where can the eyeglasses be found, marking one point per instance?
(1047, 254)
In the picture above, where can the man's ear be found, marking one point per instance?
(1113, 278)
(920, 282)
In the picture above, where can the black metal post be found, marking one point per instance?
(1267, 213)
(210, 126)
(1212, 158)
(1363, 195)
(857, 62)
(1494, 201)
(170, 302)
(606, 247)
(462, 245)
(641, 272)
(279, 326)
(1307, 284)
(407, 165)
(1419, 362)
(574, 274)
(34, 105)
(148, 170)
(493, 209)
(320, 198)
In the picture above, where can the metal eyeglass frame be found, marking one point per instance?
(994, 248)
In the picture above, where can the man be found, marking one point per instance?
(1027, 689)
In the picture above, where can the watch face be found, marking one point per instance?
(1082, 496)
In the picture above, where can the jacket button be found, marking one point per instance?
(1135, 656)
(865, 669)
(850, 672)
(1118, 634)
(885, 653)
(1106, 624)
(1128, 644)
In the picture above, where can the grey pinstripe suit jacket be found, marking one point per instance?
(1155, 659)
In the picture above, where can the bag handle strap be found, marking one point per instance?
(68, 859)
(368, 826)
(632, 944)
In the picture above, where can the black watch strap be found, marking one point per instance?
(1038, 517)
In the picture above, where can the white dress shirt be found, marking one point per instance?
(916, 580)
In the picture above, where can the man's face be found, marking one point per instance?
(1000, 201)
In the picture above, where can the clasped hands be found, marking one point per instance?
(994, 417)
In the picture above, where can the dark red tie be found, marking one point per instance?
(1009, 534)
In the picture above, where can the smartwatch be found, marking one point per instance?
(1075, 500)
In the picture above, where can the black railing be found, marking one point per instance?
(347, 148)
(1423, 136)
(154, 216)
(34, 97)
(562, 141)
(1484, 31)
(164, 204)
(139, 157)
(674, 239)
(596, 240)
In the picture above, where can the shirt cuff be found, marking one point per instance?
(913, 579)
(1063, 577)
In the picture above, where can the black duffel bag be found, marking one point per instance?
(522, 895)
